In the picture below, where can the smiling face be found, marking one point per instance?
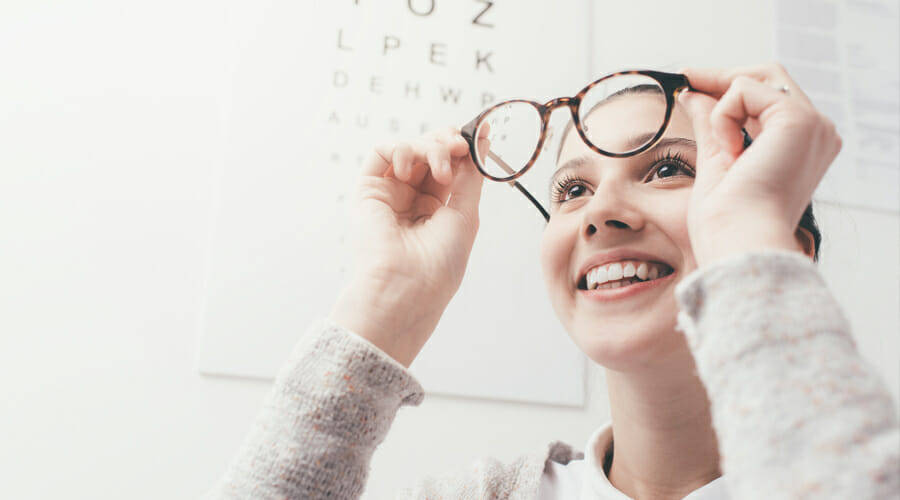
(617, 240)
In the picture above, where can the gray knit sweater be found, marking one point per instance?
(797, 412)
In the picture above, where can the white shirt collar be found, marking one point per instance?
(595, 484)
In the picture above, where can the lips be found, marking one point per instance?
(622, 273)
(620, 268)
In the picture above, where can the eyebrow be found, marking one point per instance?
(580, 161)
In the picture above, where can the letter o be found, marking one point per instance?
(420, 13)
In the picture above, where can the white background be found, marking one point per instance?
(109, 150)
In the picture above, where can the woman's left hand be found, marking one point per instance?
(750, 199)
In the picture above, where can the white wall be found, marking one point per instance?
(109, 149)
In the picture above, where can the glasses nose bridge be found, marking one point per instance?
(561, 102)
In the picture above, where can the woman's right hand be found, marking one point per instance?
(416, 220)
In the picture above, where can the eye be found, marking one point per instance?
(666, 170)
(670, 165)
(574, 191)
(569, 188)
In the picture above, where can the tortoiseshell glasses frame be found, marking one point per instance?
(671, 84)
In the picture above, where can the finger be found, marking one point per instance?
(433, 188)
(456, 145)
(410, 163)
(438, 189)
(716, 82)
(699, 108)
(484, 130)
(378, 162)
(465, 193)
(453, 139)
(426, 156)
(459, 146)
(438, 156)
(745, 99)
(482, 140)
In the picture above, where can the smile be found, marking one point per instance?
(622, 274)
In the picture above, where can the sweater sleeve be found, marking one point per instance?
(332, 403)
(797, 411)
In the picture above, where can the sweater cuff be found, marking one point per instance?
(360, 365)
(332, 403)
(732, 302)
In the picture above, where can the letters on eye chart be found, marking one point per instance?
(426, 8)
(410, 69)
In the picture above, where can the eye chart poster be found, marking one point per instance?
(313, 86)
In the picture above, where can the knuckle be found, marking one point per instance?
(707, 149)
(830, 134)
(438, 150)
(402, 148)
(828, 125)
(447, 135)
(384, 149)
(421, 147)
(381, 154)
(717, 118)
(804, 117)
(741, 83)
(776, 68)
(837, 143)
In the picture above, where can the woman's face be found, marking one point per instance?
(621, 216)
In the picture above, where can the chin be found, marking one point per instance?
(626, 344)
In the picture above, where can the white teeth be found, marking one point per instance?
(642, 271)
(614, 272)
(621, 283)
(624, 273)
(602, 275)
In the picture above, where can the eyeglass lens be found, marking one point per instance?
(513, 129)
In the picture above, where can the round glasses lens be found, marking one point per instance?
(513, 131)
(623, 113)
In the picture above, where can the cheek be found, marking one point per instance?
(674, 221)
(557, 244)
(551, 249)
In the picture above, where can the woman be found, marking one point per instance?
(783, 406)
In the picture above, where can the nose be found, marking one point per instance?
(611, 211)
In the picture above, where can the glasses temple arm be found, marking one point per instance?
(516, 184)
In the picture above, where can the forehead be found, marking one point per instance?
(622, 118)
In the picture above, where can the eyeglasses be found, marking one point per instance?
(506, 139)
